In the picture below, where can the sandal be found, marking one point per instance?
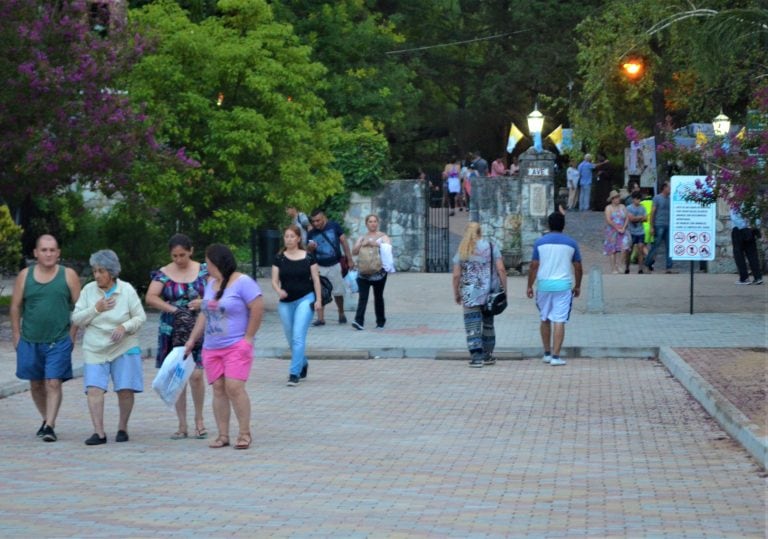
(243, 440)
(220, 441)
(179, 435)
(201, 433)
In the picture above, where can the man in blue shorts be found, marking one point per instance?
(43, 297)
(556, 268)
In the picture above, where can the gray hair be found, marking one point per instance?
(107, 259)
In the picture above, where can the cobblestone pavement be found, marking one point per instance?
(395, 448)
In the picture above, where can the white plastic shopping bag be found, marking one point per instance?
(172, 376)
(387, 257)
(351, 281)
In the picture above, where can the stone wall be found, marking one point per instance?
(400, 206)
(513, 211)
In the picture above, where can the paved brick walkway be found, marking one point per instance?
(403, 447)
(398, 447)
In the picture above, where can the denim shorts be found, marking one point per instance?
(44, 361)
(638, 238)
(126, 372)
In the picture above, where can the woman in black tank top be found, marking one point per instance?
(296, 280)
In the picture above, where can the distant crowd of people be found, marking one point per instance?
(457, 178)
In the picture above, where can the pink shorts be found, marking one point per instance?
(231, 362)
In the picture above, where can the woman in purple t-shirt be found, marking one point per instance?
(230, 317)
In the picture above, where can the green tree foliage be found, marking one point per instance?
(10, 242)
(482, 64)
(364, 85)
(197, 9)
(238, 92)
(689, 73)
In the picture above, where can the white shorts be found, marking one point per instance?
(554, 306)
(334, 275)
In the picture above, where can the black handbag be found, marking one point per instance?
(497, 299)
(326, 290)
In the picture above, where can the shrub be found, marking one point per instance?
(10, 242)
(139, 242)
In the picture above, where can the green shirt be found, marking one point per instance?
(46, 308)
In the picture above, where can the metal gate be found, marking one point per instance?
(437, 240)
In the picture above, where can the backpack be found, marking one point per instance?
(326, 290)
(369, 260)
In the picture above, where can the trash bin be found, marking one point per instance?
(269, 245)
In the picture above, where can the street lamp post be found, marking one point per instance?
(535, 125)
(721, 124)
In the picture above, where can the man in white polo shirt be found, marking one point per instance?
(556, 269)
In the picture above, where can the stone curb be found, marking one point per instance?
(461, 354)
(20, 386)
(735, 423)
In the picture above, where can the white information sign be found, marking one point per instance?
(691, 225)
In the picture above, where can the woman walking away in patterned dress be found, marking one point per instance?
(616, 242)
(473, 279)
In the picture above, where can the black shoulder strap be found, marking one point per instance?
(335, 245)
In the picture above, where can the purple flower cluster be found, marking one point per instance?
(63, 113)
(632, 134)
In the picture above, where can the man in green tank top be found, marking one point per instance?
(43, 297)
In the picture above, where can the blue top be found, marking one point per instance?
(737, 220)
(636, 227)
(585, 172)
(328, 250)
(661, 217)
(556, 254)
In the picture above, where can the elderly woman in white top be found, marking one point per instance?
(110, 312)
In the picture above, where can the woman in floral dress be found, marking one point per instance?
(176, 291)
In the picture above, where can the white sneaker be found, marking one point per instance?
(556, 362)
(546, 359)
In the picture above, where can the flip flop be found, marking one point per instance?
(201, 434)
(243, 440)
(179, 435)
(219, 442)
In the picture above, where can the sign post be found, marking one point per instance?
(692, 227)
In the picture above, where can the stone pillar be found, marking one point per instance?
(537, 175)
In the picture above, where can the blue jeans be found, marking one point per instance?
(660, 233)
(296, 316)
(584, 192)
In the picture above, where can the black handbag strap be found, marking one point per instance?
(490, 267)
